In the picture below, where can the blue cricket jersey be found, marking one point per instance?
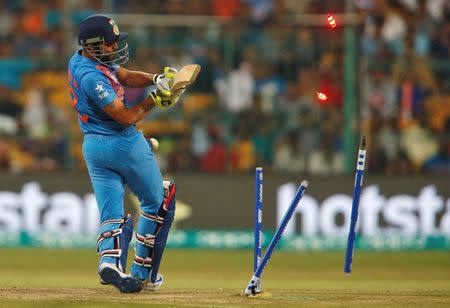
(94, 86)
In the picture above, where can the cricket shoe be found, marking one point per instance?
(153, 286)
(110, 274)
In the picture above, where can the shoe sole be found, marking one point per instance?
(123, 284)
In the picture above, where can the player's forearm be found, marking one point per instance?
(143, 108)
(137, 79)
(138, 112)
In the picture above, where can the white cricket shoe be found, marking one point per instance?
(153, 286)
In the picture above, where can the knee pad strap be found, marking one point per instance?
(151, 217)
(107, 234)
(148, 240)
(116, 253)
(145, 262)
(113, 221)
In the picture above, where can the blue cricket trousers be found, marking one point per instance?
(116, 161)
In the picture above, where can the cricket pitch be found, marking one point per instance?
(206, 278)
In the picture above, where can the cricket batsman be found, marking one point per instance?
(117, 154)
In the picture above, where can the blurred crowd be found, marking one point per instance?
(254, 102)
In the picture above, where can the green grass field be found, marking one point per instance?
(197, 278)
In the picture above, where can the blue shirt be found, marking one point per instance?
(93, 87)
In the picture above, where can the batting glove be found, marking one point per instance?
(162, 101)
(164, 81)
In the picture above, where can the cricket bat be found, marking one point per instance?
(185, 76)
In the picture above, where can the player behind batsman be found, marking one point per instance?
(117, 154)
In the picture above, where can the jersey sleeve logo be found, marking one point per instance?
(117, 87)
(102, 93)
